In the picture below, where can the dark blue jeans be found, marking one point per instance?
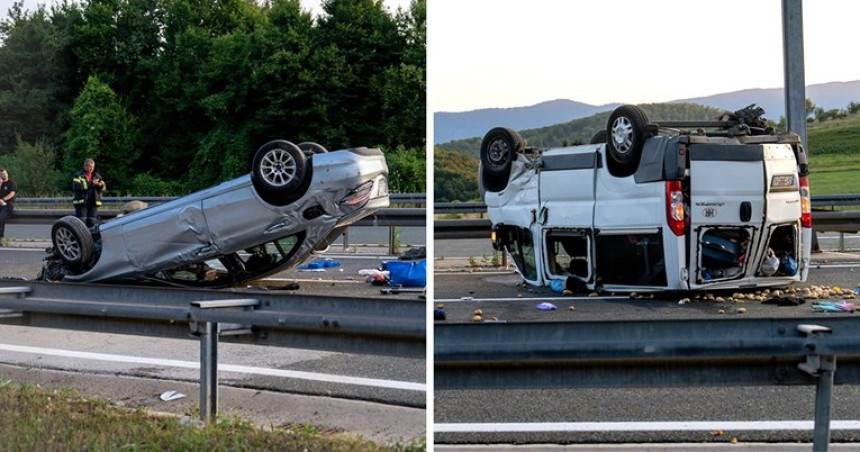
(5, 213)
(89, 214)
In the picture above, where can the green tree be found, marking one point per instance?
(100, 128)
(32, 166)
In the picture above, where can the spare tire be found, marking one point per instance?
(280, 172)
(626, 132)
(72, 241)
(498, 151)
(310, 148)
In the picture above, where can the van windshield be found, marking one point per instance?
(521, 247)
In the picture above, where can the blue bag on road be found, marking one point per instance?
(406, 273)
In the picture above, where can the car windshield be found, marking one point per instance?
(521, 247)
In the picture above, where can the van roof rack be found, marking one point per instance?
(746, 121)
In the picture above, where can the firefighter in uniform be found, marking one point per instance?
(87, 186)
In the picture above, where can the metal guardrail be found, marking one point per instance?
(408, 217)
(822, 221)
(342, 324)
(654, 353)
(396, 198)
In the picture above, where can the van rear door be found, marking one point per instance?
(727, 205)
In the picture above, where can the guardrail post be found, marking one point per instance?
(822, 368)
(346, 240)
(209, 372)
(206, 326)
(841, 241)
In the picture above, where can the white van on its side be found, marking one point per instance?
(655, 207)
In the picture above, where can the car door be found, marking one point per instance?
(170, 234)
(566, 212)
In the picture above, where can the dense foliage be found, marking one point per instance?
(174, 95)
(454, 176)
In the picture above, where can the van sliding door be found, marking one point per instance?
(566, 212)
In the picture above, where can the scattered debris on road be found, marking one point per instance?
(168, 396)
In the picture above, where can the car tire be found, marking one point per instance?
(280, 172)
(626, 132)
(310, 148)
(598, 137)
(72, 241)
(498, 151)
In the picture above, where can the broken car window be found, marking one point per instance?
(568, 253)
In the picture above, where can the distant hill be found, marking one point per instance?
(452, 126)
(580, 130)
(825, 95)
(449, 126)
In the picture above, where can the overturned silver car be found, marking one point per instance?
(296, 200)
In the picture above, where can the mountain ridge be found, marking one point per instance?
(449, 126)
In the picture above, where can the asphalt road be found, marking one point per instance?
(385, 390)
(500, 295)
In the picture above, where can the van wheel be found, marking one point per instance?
(72, 241)
(598, 137)
(626, 134)
(279, 172)
(498, 151)
(310, 148)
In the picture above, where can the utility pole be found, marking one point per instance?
(795, 83)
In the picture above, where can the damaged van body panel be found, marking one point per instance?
(228, 230)
(700, 212)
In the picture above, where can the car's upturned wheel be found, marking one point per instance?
(598, 137)
(72, 241)
(626, 132)
(498, 151)
(310, 148)
(279, 172)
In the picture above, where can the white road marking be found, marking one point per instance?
(845, 265)
(294, 374)
(455, 273)
(352, 281)
(637, 426)
(484, 300)
(15, 248)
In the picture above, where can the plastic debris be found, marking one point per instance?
(788, 266)
(683, 301)
(557, 285)
(439, 314)
(374, 276)
(167, 396)
(770, 264)
(320, 264)
(546, 306)
(832, 306)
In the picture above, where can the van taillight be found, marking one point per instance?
(675, 206)
(805, 203)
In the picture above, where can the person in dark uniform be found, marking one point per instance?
(8, 190)
(87, 186)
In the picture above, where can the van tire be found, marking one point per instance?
(498, 151)
(598, 137)
(626, 132)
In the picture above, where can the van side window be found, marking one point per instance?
(520, 245)
(631, 259)
(568, 253)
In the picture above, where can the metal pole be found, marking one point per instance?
(823, 390)
(346, 240)
(795, 84)
(209, 372)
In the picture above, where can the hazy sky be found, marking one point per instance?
(503, 53)
(313, 5)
